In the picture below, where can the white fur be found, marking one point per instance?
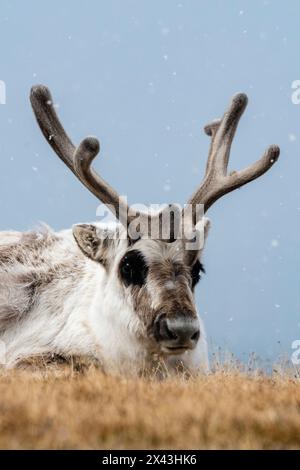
(88, 316)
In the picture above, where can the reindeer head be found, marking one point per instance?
(153, 277)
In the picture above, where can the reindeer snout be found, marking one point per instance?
(177, 334)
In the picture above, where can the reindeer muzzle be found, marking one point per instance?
(178, 334)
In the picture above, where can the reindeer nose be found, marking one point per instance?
(177, 333)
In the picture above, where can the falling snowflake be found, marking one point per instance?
(167, 186)
(292, 137)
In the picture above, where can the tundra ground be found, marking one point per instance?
(61, 408)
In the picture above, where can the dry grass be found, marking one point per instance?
(59, 408)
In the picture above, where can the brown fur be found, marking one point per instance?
(175, 301)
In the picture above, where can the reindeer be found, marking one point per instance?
(127, 301)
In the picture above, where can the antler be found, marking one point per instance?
(217, 182)
(78, 159)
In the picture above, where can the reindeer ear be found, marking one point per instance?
(94, 242)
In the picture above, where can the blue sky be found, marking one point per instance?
(145, 77)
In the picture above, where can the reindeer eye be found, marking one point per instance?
(133, 268)
(196, 270)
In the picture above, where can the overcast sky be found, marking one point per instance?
(145, 77)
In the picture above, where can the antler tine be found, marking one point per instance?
(77, 159)
(53, 131)
(83, 157)
(222, 136)
(211, 130)
(217, 182)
